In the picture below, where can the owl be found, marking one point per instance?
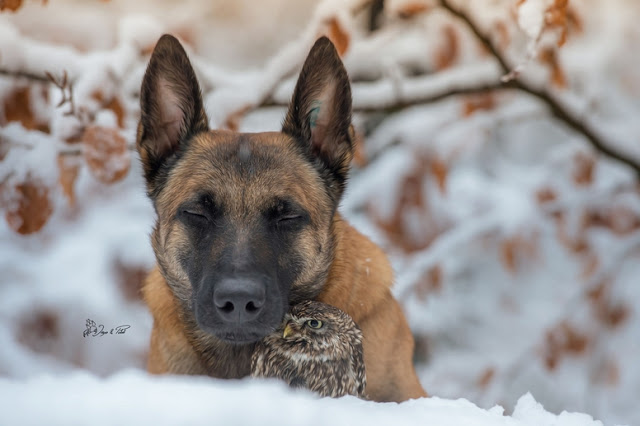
(318, 347)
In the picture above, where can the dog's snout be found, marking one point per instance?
(239, 300)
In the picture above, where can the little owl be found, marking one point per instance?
(319, 347)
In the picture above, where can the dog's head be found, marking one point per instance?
(244, 223)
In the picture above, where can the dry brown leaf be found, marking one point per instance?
(147, 50)
(31, 208)
(411, 199)
(546, 195)
(515, 249)
(574, 22)
(39, 331)
(130, 279)
(338, 36)
(11, 5)
(608, 373)
(503, 35)
(508, 254)
(76, 137)
(486, 377)
(620, 219)
(413, 8)
(623, 220)
(4, 149)
(68, 168)
(359, 156)
(615, 315)
(483, 102)
(112, 103)
(439, 171)
(607, 312)
(563, 19)
(549, 57)
(448, 52)
(430, 283)
(590, 265)
(17, 107)
(187, 34)
(575, 342)
(561, 341)
(106, 153)
(578, 244)
(556, 18)
(598, 293)
(234, 119)
(116, 106)
(583, 167)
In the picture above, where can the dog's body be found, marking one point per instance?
(248, 224)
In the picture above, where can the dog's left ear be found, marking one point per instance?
(319, 116)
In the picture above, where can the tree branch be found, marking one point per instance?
(560, 111)
(24, 74)
(397, 104)
(447, 92)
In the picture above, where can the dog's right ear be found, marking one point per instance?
(171, 110)
(319, 116)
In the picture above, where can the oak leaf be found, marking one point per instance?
(482, 102)
(106, 153)
(68, 168)
(17, 107)
(30, 209)
(11, 5)
(449, 51)
(338, 36)
(413, 8)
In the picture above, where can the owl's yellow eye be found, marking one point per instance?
(314, 323)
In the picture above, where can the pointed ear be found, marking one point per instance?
(171, 110)
(319, 116)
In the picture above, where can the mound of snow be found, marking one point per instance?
(133, 397)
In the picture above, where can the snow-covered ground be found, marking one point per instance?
(515, 246)
(134, 398)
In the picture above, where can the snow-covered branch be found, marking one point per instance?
(559, 109)
(24, 74)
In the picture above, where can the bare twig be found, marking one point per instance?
(560, 111)
(375, 11)
(24, 74)
(66, 88)
(63, 83)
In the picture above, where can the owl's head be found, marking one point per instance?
(319, 325)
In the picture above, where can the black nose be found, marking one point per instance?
(239, 300)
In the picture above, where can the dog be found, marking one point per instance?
(248, 225)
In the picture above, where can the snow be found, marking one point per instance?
(531, 16)
(31, 148)
(132, 397)
(512, 269)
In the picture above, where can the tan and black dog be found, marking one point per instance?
(247, 225)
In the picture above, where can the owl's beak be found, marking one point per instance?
(287, 331)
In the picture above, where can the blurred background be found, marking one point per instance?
(497, 163)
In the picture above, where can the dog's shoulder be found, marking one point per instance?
(361, 275)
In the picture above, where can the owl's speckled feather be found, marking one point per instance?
(327, 360)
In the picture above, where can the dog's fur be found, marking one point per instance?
(257, 214)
